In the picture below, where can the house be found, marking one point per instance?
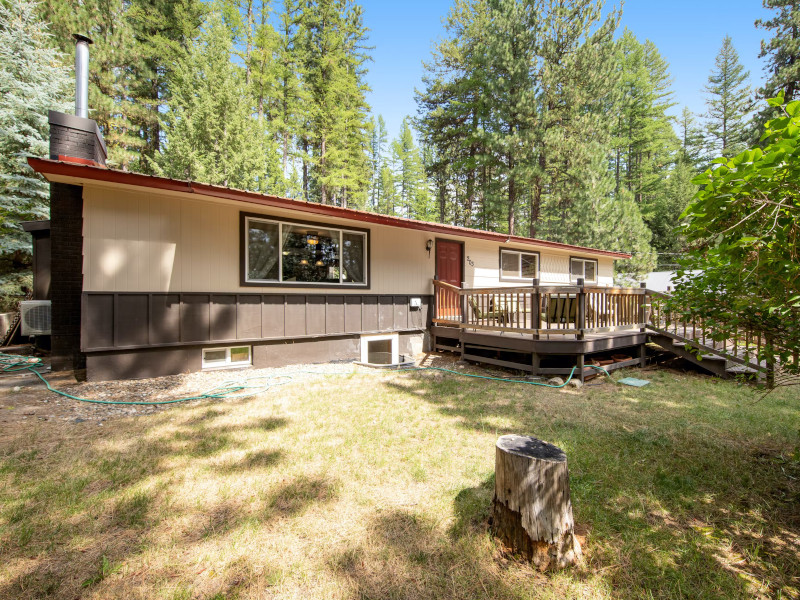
(153, 276)
(663, 281)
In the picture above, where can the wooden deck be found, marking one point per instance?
(542, 330)
(552, 356)
(555, 330)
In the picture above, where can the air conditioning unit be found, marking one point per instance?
(35, 317)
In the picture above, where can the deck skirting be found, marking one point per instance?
(557, 355)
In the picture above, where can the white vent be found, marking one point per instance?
(35, 316)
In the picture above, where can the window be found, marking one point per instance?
(278, 252)
(583, 267)
(517, 266)
(236, 356)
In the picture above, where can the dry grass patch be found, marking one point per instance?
(379, 485)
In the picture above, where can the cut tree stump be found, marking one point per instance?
(532, 512)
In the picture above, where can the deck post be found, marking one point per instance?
(580, 321)
(643, 307)
(535, 363)
(536, 309)
(581, 363)
(463, 304)
(435, 311)
(643, 355)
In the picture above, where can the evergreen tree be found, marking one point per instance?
(333, 51)
(136, 42)
(162, 32)
(728, 102)
(32, 81)
(783, 60)
(212, 135)
(575, 80)
(379, 137)
(644, 140)
(507, 54)
(692, 141)
(387, 201)
(409, 175)
(290, 97)
(454, 108)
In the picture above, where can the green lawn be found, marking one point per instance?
(379, 486)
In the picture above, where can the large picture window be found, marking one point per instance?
(281, 252)
(583, 267)
(518, 266)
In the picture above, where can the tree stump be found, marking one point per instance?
(532, 512)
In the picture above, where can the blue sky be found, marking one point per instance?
(687, 33)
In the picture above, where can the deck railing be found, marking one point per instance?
(552, 311)
(741, 345)
(541, 310)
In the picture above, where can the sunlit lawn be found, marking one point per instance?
(378, 486)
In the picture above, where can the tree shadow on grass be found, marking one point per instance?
(99, 504)
(669, 511)
(252, 461)
(406, 556)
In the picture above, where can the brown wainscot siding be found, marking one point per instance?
(129, 330)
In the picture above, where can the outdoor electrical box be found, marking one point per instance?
(416, 303)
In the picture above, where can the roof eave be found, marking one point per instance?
(82, 171)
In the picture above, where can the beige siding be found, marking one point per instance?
(553, 268)
(146, 241)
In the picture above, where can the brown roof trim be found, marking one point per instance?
(66, 169)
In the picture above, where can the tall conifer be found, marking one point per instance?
(782, 52)
(728, 102)
(32, 81)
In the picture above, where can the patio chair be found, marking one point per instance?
(500, 314)
(562, 310)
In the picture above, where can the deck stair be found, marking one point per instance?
(690, 337)
(717, 361)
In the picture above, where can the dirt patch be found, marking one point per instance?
(24, 398)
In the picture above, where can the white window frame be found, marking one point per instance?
(228, 364)
(575, 276)
(519, 254)
(279, 280)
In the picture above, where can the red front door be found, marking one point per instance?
(449, 268)
(449, 262)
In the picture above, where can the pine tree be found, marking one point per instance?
(289, 95)
(333, 51)
(728, 102)
(32, 81)
(508, 53)
(692, 141)
(387, 201)
(212, 135)
(454, 109)
(575, 80)
(644, 140)
(162, 31)
(409, 175)
(783, 60)
(136, 42)
(379, 138)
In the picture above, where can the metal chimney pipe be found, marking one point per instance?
(82, 75)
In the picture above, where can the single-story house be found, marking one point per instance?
(152, 276)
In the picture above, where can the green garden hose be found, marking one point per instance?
(242, 388)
